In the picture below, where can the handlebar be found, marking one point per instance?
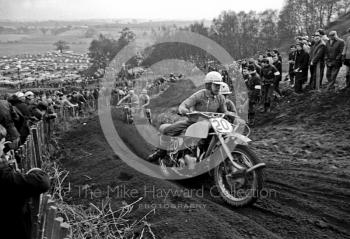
(206, 114)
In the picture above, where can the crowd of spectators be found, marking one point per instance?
(308, 61)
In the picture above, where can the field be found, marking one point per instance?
(14, 44)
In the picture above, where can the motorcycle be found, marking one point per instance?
(126, 113)
(238, 177)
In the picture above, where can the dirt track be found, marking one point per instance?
(308, 180)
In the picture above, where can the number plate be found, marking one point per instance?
(221, 125)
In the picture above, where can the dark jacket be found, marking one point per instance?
(291, 57)
(23, 113)
(302, 61)
(253, 81)
(16, 189)
(268, 74)
(278, 65)
(317, 53)
(334, 52)
(7, 118)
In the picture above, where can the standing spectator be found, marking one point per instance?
(276, 52)
(254, 87)
(300, 68)
(16, 190)
(323, 35)
(17, 101)
(291, 60)
(335, 47)
(268, 75)
(35, 113)
(278, 64)
(7, 118)
(346, 58)
(317, 54)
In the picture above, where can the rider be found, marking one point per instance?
(206, 100)
(225, 91)
(132, 98)
(144, 99)
(144, 102)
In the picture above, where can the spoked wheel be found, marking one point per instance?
(239, 190)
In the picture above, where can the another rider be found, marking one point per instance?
(206, 100)
(131, 98)
(225, 91)
(144, 101)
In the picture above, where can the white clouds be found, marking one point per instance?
(144, 9)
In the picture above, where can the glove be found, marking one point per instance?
(231, 114)
(183, 110)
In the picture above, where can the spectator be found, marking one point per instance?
(7, 118)
(291, 60)
(334, 51)
(278, 64)
(300, 68)
(22, 110)
(317, 54)
(323, 35)
(268, 75)
(16, 190)
(35, 113)
(276, 52)
(254, 87)
(346, 58)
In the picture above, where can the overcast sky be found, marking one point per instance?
(140, 9)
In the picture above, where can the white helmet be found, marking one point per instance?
(224, 89)
(29, 94)
(144, 91)
(213, 77)
(19, 94)
(131, 92)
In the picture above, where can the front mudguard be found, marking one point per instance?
(218, 155)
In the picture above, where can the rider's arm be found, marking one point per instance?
(223, 108)
(189, 102)
(124, 98)
(148, 101)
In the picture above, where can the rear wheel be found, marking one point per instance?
(240, 190)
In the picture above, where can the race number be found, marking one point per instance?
(221, 125)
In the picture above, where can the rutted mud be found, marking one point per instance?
(307, 188)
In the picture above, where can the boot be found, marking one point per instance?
(159, 153)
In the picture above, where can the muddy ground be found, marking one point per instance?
(305, 142)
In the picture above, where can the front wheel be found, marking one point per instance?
(242, 190)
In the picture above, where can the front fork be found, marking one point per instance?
(228, 153)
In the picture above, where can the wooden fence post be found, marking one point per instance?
(44, 199)
(49, 222)
(32, 152)
(37, 147)
(56, 230)
(65, 227)
(28, 153)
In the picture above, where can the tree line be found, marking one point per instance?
(242, 34)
